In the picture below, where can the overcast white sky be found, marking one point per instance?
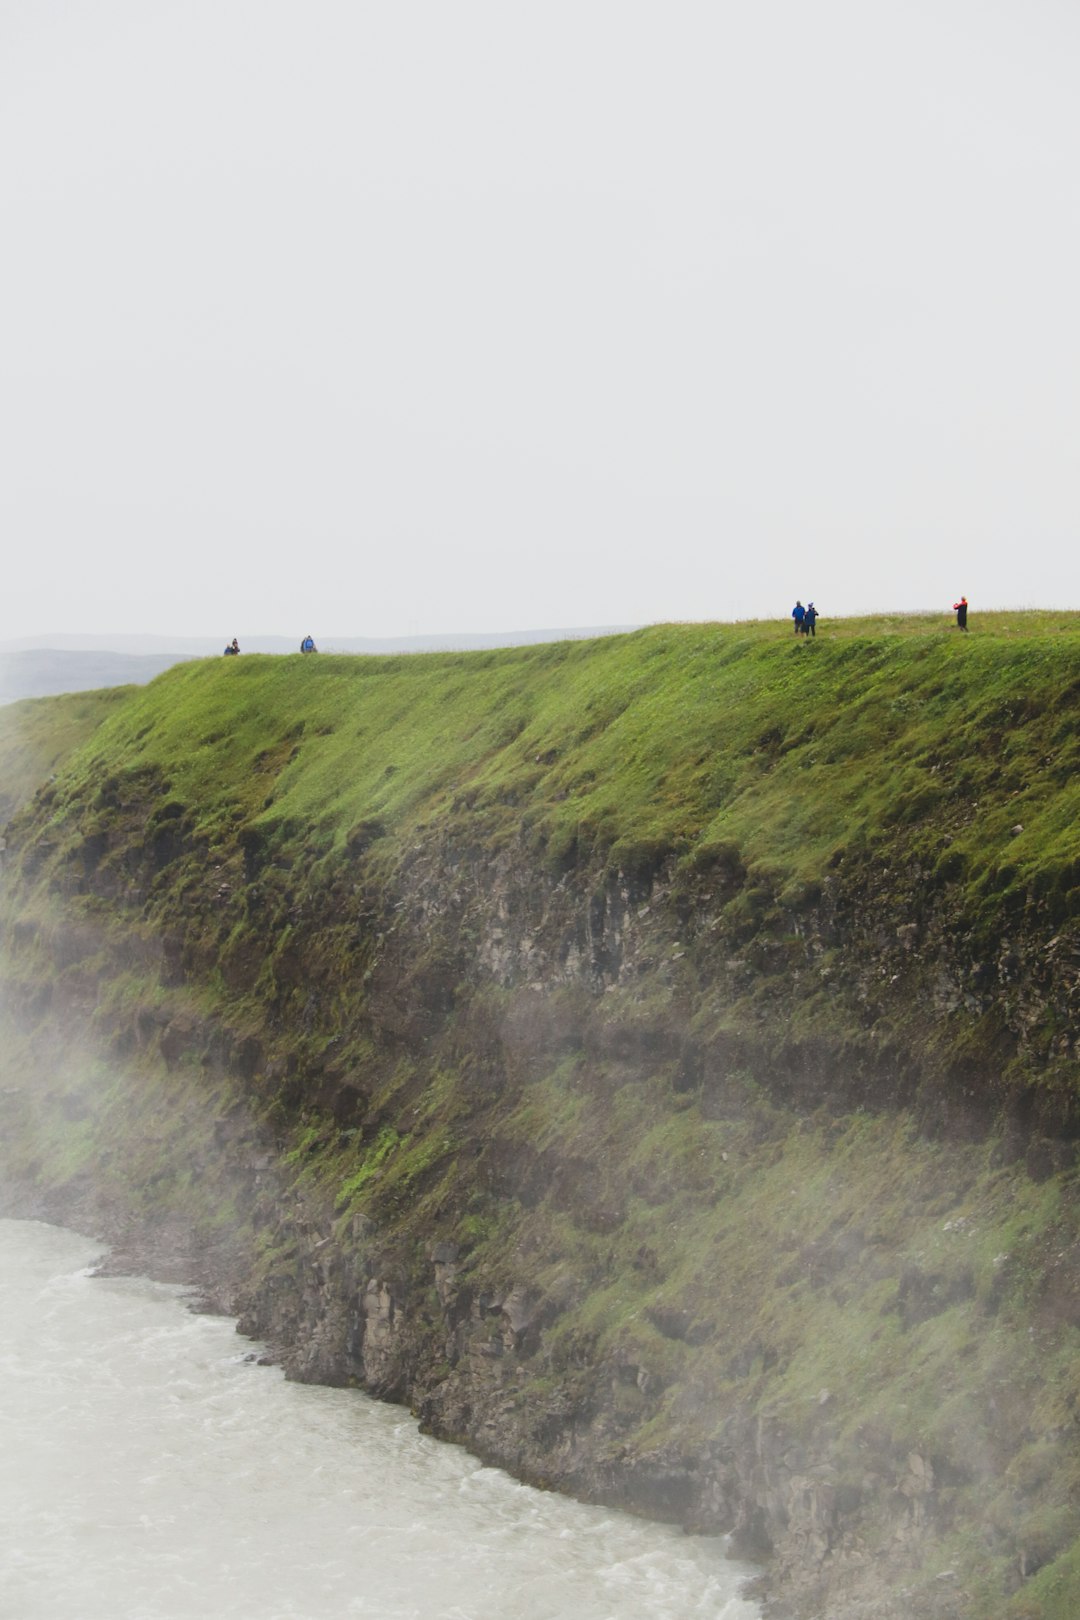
(443, 316)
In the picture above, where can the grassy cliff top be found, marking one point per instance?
(693, 739)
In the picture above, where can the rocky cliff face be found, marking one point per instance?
(744, 1205)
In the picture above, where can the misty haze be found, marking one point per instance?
(539, 873)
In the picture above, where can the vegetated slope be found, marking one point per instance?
(652, 1058)
(35, 737)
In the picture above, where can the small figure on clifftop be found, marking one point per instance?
(798, 613)
(233, 649)
(307, 645)
(810, 620)
(960, 609)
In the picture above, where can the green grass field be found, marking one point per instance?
(685, 739)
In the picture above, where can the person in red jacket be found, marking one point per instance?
(960, 609)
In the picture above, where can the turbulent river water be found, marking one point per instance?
(150, 1469)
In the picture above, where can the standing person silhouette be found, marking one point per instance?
(960, 609)
(798, 613)
(810, 620)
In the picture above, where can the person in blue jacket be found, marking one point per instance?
(798, 613)
(307, 645)
(233, 649)
(809, 620)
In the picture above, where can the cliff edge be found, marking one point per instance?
(653, 1059)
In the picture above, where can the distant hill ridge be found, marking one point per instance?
(47, 672)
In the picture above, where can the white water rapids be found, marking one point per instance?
(149, 1470)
